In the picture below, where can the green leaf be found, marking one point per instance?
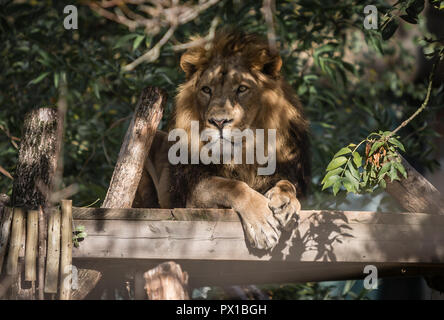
(138, 41)
(415, 8)
(409, 19)
(382, 183)
(352, 180)
(401, 169)
(330, 181)
(389, 29)
(56, 80)
(81, 235)
(39, 78)
(375, 147)
(80, 228)
(354, 172)
(357, 159)
(392, 174)
(385, 167)
(331, 173)
(336, 162)
(336, 187)
(341, 152)
(397, 143)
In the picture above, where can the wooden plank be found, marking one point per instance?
(66, 251)
(42, 253)
(18, 221)
(53, 255)
(339, 236)
(31, 245)
(5, 231)
(121, 214)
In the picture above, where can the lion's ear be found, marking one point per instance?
(268, 63)
(273, 67)
(191, 60)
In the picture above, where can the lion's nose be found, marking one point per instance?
(220, 123)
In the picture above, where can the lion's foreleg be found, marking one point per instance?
(260, 226)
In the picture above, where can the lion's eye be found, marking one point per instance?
(242, 89)
(206, 90)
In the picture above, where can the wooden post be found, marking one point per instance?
(42, 253)
(31, 245)
(53, 256)
(167, 281)
(66, 251)
(37, 160)
(5, 227)
(16, 241)
(135, 149)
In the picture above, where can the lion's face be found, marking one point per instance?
(227, 95)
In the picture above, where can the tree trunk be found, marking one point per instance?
(37, 162)
(167, 281)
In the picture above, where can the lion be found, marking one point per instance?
(235, 83)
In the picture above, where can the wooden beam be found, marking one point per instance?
(327, 245)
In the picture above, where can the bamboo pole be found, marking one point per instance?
(66, 251)
(16, 241)
(31, 245)
(53, 256)
(42, 253)
(5, 230)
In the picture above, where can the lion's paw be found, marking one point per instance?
(260, 226)
(284, 205)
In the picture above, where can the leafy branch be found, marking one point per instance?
(382, 160)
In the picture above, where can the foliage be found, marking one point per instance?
(79, 235)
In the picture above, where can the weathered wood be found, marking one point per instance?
(53, 255)
(42, 253)
(66, 251)
(135, 149)
(5, 230)
(341, 236)
(121, 214)
(167, 281)
(37, 159)
(31, 245)
(15, 245)
(416, 193)
(87, 279)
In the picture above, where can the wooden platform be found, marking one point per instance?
(210, 245)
